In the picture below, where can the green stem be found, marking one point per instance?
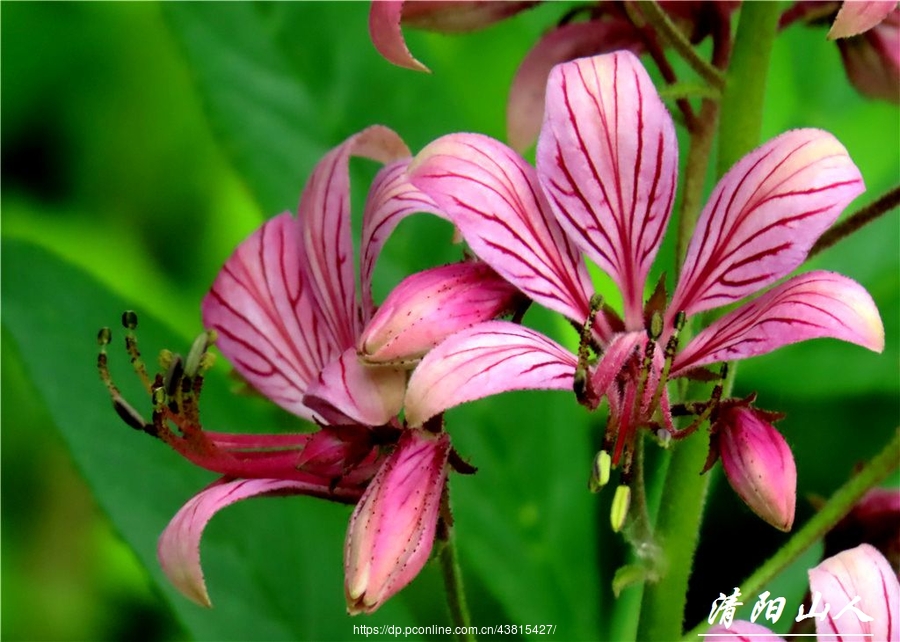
(874, 472)
(456, 597)
(745, 89)
(667, 29)
(678, 524)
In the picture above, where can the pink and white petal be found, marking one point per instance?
(349, 392)
(262, 309)
(607, 158)
(858, 572)
(809, 306)
(484, 360)
(324, 215)
(387, 36)
(178, 548)
(525, 106)
(742, 631)
(764, 216)
(391, 199)
(492, 195)
(857, 16)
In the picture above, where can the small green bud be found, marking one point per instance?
(620, 505)
(600, 471)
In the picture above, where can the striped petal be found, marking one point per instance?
(608, 160)
(491, 194)
(857, 16)
(862, 573)
(809, 306)
(487, 359)
(178, 548)
(391, 199)
(387, 36)
(349, 392)
(324, 215)
(764, 216)
(262, 309)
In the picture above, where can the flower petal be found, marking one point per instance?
(324, 215)
(392, 529)
(391, 199)
(525, 106)
(764, 216)
(487, 359)
(856, 16)
(349, 392)
(862, 572)
(178, 548)
(808, 306)
(608, 160)
(263, 312)
(492, 196)
(459, 16)
(872, 60)
(431, 305)
(387, 36)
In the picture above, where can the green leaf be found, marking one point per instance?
(273, 566)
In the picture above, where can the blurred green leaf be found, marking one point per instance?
(274, 566)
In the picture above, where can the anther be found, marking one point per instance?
(173, 376)
(129, 415)
(620, 504)
(654, 330)
(198, 349)
(103, 338)
(600, 471)
(129, 319)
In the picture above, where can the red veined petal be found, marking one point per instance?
(607, 158)
(387, 36)
(764, 216)
(263, 312)
(324, 215)
(808, 306)
(491, 194)
(484, 360)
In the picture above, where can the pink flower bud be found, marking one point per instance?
(427, 307)
(872, 59)
(392, 529)
(758, 464)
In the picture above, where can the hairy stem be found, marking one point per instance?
(456, 597)
(874, 472)
(881, 206)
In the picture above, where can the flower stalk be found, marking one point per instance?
(871, 212)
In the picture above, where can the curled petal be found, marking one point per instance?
(429, 306)
(487, 359)
(872, 60)
(856, 16)
(261, 307)
(387, 36)
(491, 194)
(608, 159)
(764, 216)
(324, 214)
(178, 548)
(860, 572)
(348, 392)
(759, 465)
(391, 199)
(392, 529)
(743, 631)
(808, 306)
(525, 106)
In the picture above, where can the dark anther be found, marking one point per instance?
(173, 375)
(131, 416)
(104, 337)
(129, 319)
(680, 319)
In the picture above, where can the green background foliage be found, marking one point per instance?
(141, 143)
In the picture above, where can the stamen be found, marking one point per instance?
(668, 358)
(130, 322)
(125, 411)
(600, 471)
(620, 504)
(582, 381)
(704, 410)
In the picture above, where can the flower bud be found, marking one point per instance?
(872, 60)
(428, 306)
(393, 526)
(758, 464)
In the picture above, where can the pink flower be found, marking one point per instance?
(287, 314)
(393, 527)
(758, 463)
(604, 185)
